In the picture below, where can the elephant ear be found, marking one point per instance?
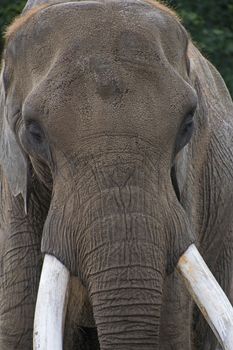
(214, 110)
(209, 85)
(12, 159)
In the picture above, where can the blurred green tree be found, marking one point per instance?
(210, 23)
(8, 10)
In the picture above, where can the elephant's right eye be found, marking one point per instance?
(34, 140)
(35, 132)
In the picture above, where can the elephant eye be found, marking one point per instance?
(187, 128)
(185, 132)
(34, 140)
(35, 131)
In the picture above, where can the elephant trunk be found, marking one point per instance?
(125, 265)
(126, 299)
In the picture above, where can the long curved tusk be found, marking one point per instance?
(208, 295)
(51, 305)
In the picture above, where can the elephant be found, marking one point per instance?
(116, 155)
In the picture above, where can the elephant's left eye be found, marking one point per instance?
(185, 133)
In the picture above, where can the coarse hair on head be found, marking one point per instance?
(164, 7)
(21, 20)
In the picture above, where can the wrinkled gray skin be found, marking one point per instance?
(93, 99)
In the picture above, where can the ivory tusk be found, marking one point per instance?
(51, 305)
(208, 295)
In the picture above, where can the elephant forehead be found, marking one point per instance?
(129, 29)
(90, 60)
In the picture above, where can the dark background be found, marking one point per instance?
(210, 23)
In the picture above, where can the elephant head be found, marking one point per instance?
(98, 101)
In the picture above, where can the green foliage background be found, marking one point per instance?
(210, 23)
(8, 10)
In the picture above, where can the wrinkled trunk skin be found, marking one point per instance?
(125, 273)
(115, 235)
(126, 297)
(124, 269)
